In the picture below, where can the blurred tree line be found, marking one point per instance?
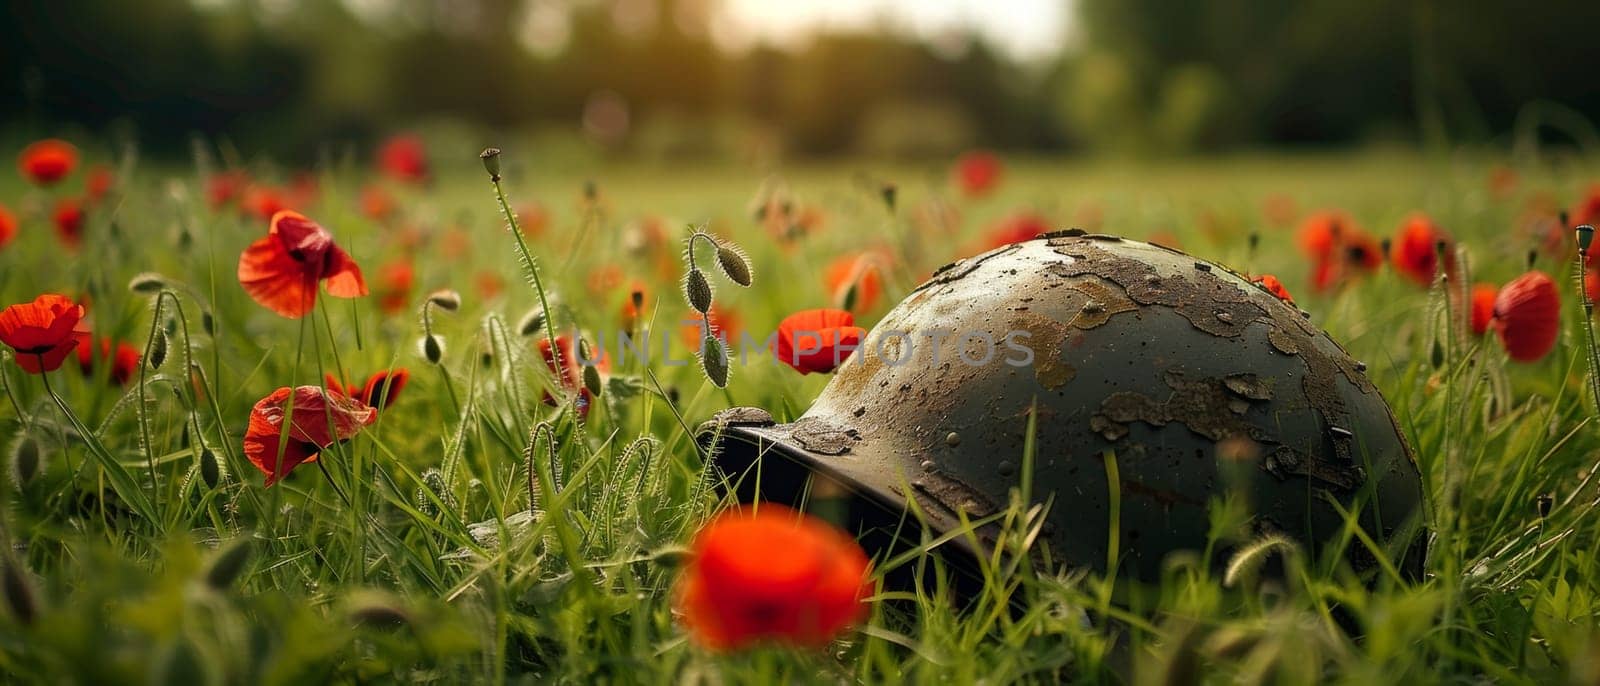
(1146, 76)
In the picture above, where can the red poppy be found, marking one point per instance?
(1279, 210)
(379, 392)
(533, 219)
(264, 201)
(303, 189)
(1273, 286)
(8, 226)
(635, 306)
(1587, 209)
(69, 218)
(604, 279)
(42, 332)
(1016, 228)
(98, 182)
(1527, 315)
(490, 284)
(225, 187)
(48, 161)
(281, 271)
(376, 203)
(404, 157)
(318, 421)
(395, 281)
(863, 271)
(1591, 285)
(1502, 182)
(124, 359)
(1415, 251)
(1323, 232)
(1483, 296)
(771, 574)
(978, 172)
(817, 340)
(569, 371)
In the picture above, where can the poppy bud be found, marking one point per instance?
(147, 283)
(19, 592)
(229, 564)
(1438, 354)
(591, 190)
(380, 616)
(447, 300)
(733, 264)
(591, 369)
(210, 471)
(157, 353)
(531, 323)
(208, 323)
(1543, 502)
(698, 290)
(25, 460)
(432, 348)
(888, 191)
(714, 359)
(637, 297)
(491, 162)
(851, 294)
(1585, 237)
(1255, 240)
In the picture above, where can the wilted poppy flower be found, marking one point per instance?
(376, 203)
(43, 332)
(1273, 286)
(380, 390)
(569, 371)
(317, 420)
(978, 172)
(1015, 228)
(860, 271)
(1415, 251)
(1527, 315)
(281, 271)
(395, 281)
(817, 340)
(1483, 296)
(123, 356)
(48, 161)
(98, 182)
(8, 226)
(404, 157)
(68, 219)
(771, 574)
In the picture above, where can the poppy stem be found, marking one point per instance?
(5, 382)
(323, 466)
(530, 266)
(1588, 328)
(144, 368)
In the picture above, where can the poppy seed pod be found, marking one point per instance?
(1132, 372)
(491, 162)
(1585, 234)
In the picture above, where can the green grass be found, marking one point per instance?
(433, 572)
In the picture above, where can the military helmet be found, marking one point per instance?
(1194, 380)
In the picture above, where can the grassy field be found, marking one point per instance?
(406, 554)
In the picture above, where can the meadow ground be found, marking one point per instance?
(141, 545)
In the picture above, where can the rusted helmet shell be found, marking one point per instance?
(1198, 383)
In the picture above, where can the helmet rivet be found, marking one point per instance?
(1093, 307)
(953, 439)
(1225, 317)
(1006, 468)
(926, 465)
(1152, 279)
(1361, 366)
(1202, 266)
